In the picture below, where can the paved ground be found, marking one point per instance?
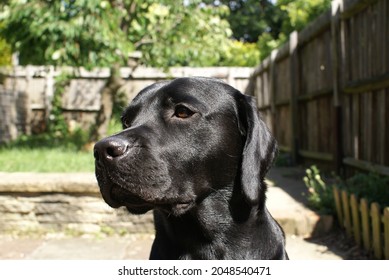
(128, 247)
(285, 201)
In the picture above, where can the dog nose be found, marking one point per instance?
(110, 148)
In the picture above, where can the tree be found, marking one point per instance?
(5, 53)
(300, 12)
(250, 18)
(99, 33)
(267, 22)
(94, 33)
(295, 15)
(182, 35)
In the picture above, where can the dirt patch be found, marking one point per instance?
(338, 242)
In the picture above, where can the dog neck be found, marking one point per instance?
(203, 233)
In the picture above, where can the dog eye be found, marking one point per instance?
(183, 112)
(125, 123)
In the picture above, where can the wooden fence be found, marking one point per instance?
(325, 93)
(365, 223)
(26, 92)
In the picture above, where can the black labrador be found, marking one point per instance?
(196, 152)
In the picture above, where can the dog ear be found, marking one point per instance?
(259, 150)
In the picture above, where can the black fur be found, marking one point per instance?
(195, 151)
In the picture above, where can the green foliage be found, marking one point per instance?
(269, 23)
(168, 33)
(293, 15)
(371, 186)
(75, 33)
(241, 54)
(301, 12)
(251, 18)
(173, 34)
(57, 126)
(100, 33)
(5, 52)
(320, 195)
(266, 43)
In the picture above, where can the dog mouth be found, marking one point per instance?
(117, 196)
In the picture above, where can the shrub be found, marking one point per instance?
(320, 195)
(371, 186)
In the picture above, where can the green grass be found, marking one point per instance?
(48, 153)
(45, 160)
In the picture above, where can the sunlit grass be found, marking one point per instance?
(45, 160)
(45, 153)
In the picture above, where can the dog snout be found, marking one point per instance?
(110, 148)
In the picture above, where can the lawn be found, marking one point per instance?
(45, 160)
(47, 153)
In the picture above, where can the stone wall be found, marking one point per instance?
(67, 203)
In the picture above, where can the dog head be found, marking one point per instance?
(182, 140)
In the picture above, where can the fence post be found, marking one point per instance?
(346, 211)
(385, 219)
(49, 90)
(295, 87)
(356, 220)
(376, 229)
(272, 91)
(338, 206)
(338, 141)
(365, 218)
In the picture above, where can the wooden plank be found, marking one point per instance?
(315, 94)
(385, 219)
(356, 136)
(315, 28)
(338, 205)
(258, 91)
(337, 123)
(347, 127)
(295, 88)
(374, 57)
(355, 219)
(363, 45)
(365, 85)
(352, 7)
(375, 213)
(283, 148)
(365, 222)
(326, 126)
(379, 43)
(303, 122)
(266, 87)
(368, 166)
(352, 50)
(385, 33)
(344, 34)
(347, 214)
(316, 155)
(382, 127)
(386, 136)
(370, 125)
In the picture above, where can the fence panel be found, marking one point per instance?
(339, 74)
(81, 99)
